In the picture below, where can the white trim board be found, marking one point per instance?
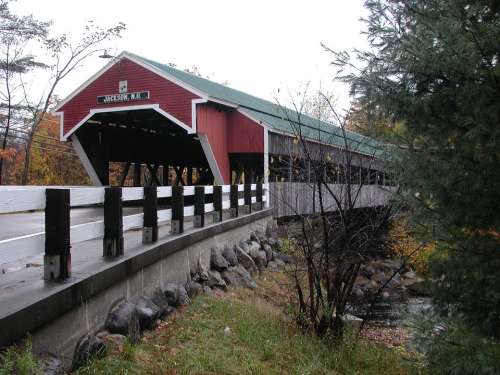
(155, 107)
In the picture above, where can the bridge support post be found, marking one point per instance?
(217, 201)
(57, 259)
(258, 196)
(233, 200)
(113, 222)
(150, 227)
(177, 222)
(248, 198)
(199, 206)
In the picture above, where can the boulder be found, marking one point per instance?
(368, 271)
(215, 280)
(279, 263)
(254, 237)
(176, 294)
(244, 246)
(272, 242)
(193, 289)
(245, 260)
(229, 254)
(272, 265)
(238, 276)
(217, 261)
(161, 301)
(50, 364)
(88, 347)
(379, 277)
(282, 256)
(419, 287)
(147, 311)
(269, 252)
(410, 275)
(253, 246)
(261, 260)
(124, 319)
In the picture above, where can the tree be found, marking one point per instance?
(338, 237)
(15, 34)
(433, 67)
(65, 57)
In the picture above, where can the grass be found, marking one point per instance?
(262, 340)
(18, 359)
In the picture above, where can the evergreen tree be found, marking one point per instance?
(433, 68)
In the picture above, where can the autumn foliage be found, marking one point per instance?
(52, 162)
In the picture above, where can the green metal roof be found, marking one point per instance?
(278, 118)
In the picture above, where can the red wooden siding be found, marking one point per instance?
(213, 122)
(244, 135)
(171, 97)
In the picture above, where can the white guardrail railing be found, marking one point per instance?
(16, 199)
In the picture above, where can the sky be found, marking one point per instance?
(256, 46)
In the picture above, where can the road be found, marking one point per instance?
(20, 224)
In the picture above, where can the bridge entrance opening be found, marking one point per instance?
(140, 148)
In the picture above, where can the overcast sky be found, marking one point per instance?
(257, 46)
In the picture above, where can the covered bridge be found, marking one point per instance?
(179, 128)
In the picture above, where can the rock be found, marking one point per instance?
(203, 272)
(352, 321)
(361, 281)
(161, 301)
(147, 311)
(279, 263)
(254, 237)
(215, 280)
(272, 265)
(282, 256)
(358, 293)
(272, 242)
(176, 295)
(420, 287)
(410, 275)
(217, 261)
(88, 347)
(368, 271)
(245, 260)
(238, 276)
(379, 277)
(229, 254)
(50, 364)
(207, 289)
(269, 252)
(227, 331)
(253, 246)
(123, 319)
(386, 295)
(113, 341)
(244, 246)
(261, 260)
(193, 289)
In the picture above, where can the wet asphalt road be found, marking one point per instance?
(20, 224)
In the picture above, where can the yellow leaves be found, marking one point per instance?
(403, 243)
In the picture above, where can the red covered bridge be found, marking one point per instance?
(174, 127)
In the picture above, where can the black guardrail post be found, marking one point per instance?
(199, 206)
(233, 201)
(57, 259)
(217, 201)
(247, 195)
(113, 222)
(258, 195)
(177, 223)
(150, 226)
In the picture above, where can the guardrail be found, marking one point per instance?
(59, 235)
